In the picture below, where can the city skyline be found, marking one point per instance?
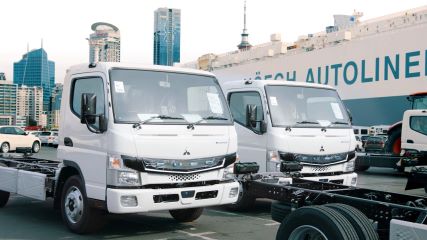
(208, 26)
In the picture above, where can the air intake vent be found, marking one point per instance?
(183, 177)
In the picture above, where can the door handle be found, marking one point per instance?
(409, 141)
(68, 142)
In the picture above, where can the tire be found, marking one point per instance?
(394, 141)
(5, 147)
(186, 215)
(36, 147)
(358, 220)
(280, 211)
(4, 196)
(425, 188)
(318, 219)
(87, 220)
(362, 168)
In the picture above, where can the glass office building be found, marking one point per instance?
(35, 70)
(167, 36)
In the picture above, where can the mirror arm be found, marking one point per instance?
(89, 127)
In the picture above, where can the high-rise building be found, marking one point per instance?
(30, 102)
(2, 76)
(104, 43)
(8, 92)
(35, 70)
(55, 106)
(167, 36)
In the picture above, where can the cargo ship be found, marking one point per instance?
(374, 64)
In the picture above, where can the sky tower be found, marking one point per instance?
(244, 44)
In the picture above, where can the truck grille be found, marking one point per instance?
(183, 177)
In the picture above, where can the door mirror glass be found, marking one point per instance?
(88, 108)
(251, 115)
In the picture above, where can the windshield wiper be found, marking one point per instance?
(191, 125)
(138, 124)
(307, 122)
(338, 123)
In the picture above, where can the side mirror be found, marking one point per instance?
(251, 115)
(263, 127)
(88, 108)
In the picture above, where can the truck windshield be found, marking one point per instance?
(156, 97)
(306, 107)
(420, 103)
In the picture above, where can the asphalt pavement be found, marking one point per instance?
(24, 218)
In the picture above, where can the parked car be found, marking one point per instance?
(363, 139)
(55, 141)
(46, 137)
(12, 137)
(375, 144)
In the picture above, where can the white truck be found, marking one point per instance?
(132, 139)
(287, 121)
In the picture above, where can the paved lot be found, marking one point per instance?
(25, 218)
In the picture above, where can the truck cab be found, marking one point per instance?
(286, 121)
(414, 131)
(133, 139)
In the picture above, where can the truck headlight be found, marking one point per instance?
(128, 178)
(118, 175)
(228, 172)
(349, 166)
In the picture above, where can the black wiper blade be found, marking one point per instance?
(307, 122)
(214, 118)
(191, 125)
(155, 117)
(339, 123)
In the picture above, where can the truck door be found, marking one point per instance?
(414, 130)
(80, 145)
(252, 143)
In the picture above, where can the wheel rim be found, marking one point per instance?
(5, 147)
(307, 232)
(74, 205)
(36, 147)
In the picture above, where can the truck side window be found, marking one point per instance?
(238, 103)
(419, 124)
(93, 85)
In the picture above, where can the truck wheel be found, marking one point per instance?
(75, 210)
(36, 147)
(186, 215)
(360, 222)
(394, 141)
(4, 148)
(4, 196)
(316, 222)
(280, 211)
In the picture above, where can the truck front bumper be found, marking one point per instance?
(348, 179)
(147, 200)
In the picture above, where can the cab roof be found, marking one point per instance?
(106, 66)
(261, 83)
